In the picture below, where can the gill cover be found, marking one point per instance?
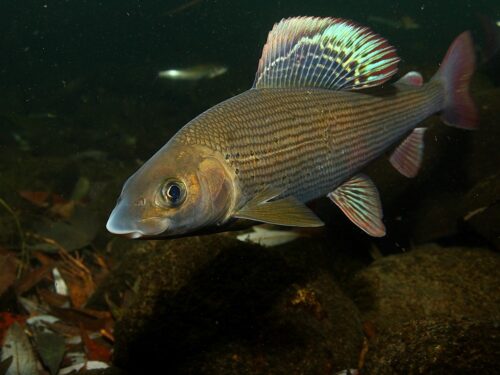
(180, 189)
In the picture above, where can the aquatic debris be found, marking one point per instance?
(38, 198)
(23, 144)
(81, 189)
(72, 234)
(306, 299)
(25, 253)
(59, 283)
(348, 372)
(295, 136)
(194, 73)
(268, 237)
(8, 271)
(51, 348)
(17, 345)
(87, 365)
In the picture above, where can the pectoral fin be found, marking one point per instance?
(358, 198)
(287, 211)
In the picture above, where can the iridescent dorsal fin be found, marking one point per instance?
(328, 53)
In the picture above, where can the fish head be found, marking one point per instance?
(181, 189)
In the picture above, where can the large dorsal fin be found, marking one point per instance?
(329, 53)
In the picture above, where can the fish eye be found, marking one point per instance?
(173, 192)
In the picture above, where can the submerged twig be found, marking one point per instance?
(25, 256)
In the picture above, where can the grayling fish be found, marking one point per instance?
(193, 73)
(304, 130)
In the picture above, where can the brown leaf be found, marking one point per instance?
(64, 210)
(80, 317)
(30, 279)
(53, 299)
(8, 272)
(38, 198)
(94, 350)
(6, 320)
(78, 278)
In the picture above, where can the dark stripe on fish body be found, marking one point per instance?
(308, 141)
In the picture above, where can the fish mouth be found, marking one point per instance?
(121, 224)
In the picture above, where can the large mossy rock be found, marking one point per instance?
(432, 310)
(436, 346)
(214, 305)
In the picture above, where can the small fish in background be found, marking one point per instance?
(188, 5)
(404, 23)
(304, 130)
(194, 73)
(42, 116)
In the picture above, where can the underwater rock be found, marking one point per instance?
(483, 210)
(430, 282)
(436, 346)
(215, 305)
(432, 309)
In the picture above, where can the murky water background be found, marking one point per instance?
(82, 107)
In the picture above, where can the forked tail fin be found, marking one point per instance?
(455, 74)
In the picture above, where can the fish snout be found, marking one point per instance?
(125, 221)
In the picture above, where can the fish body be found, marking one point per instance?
(304, 130)
(194, 73)
(306, 142)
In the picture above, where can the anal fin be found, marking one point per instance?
(359, 200)
(287, 211)
(407, 158)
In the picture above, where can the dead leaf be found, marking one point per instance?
(30, 279)
(90, 365)
(63, 210)
(6, 321)
(51, 348)
(79, 231)
(53, 299)
(8, 272)
(38, 198)
(5, 364)
(80, 317)
(94, 350)
(17, 345)
(78, 278)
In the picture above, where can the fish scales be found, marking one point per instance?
(306, 142)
